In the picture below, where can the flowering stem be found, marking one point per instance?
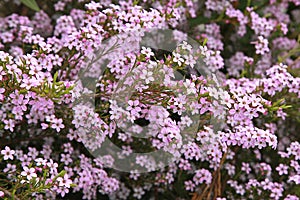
(9, 194)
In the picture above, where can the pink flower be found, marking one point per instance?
(62, 191)
(281, 114)
(57, 124)
(147, 51)
(291, 197)
(2, 90)
(9, 124)
(66, 158)
(29, 173)
(295, 178)
(261, 46)
(1, 193)
(201, 176)
(177, 58)
(8, 154)
(93, 5)
(147, 76)
(65, 181)
(40, 162)
(138, 192)
(189, 185)
(246, 168)
(53, 166)
(282, 169)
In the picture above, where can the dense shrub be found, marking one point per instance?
(213, 114)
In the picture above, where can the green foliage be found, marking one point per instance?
(31, 4)
(54, 90)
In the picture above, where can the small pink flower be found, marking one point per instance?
(2, 90)
(44, 126)
(29, 173)
(147, 52)
(8, 154)
(9, 124)
(65, 181)
(246, 168)
(177, 58)
(57, 124)
(147, 76)
(282, 169)
(261, 45)
(189, 185)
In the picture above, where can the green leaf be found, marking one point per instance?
(248, 3)
(205, 41)
(135, 2)
(286, 106)
(61, 174)
(73, 185)
(55, 77)
(31, 4)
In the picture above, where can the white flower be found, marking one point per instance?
(40, 161)
(177, 58)
(147, 76)
(186, 46)
(204, 51)
(147, 51)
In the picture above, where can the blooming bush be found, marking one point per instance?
(149, 99)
